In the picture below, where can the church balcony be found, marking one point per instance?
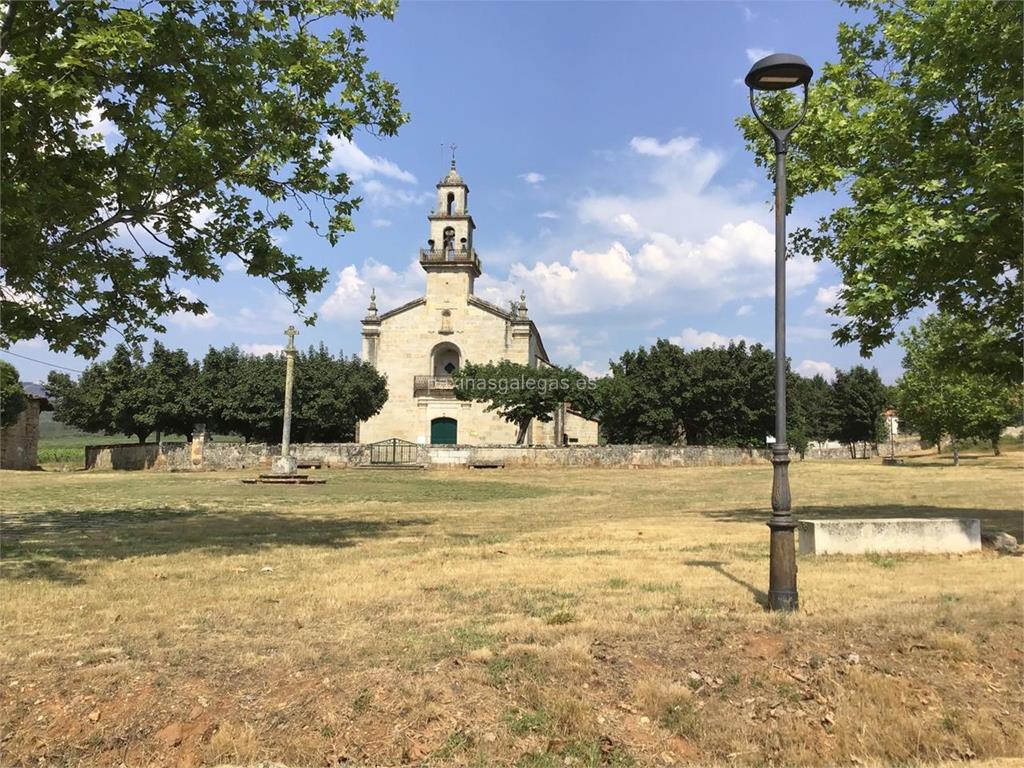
(450, 256)
(433, 386)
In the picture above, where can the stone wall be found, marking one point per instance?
(19, 443)
(211, 455)
(126, 455)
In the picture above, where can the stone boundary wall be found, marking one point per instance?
(209, 455)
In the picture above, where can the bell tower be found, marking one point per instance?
(449, 260)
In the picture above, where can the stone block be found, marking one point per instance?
(897, 534)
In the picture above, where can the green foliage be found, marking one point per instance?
(109, 397)
(726, 396)
(730, 396)
(920, 121)
(811, 412)
(12, 396)
(661, 395)
(858, 399)
(332, 394)
(230, 393)
(172, 391)
(224, 115)
(940, 396)
(521, 393)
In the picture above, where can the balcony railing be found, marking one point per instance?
(433, 386)
(452, 255)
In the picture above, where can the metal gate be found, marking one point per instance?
(393, 451)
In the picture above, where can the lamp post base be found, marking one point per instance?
(782, 591)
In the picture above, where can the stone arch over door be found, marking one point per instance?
(445, 359)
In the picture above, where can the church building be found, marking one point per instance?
(420, 346)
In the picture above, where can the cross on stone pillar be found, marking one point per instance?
(286, 464)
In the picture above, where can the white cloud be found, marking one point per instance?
(592, 370)
(814, 367)
(380, 223)
(93, 124)
(262, 349)
(532, 177)
(745, 310)
(825, 297)
(680, 145)
(734, 263)
(718, 252)
(359, 165)
(385, 196)
(691, 338)
(748, 15)
(351, 294)
(234, 264)
(756, 54)
(548, 215)
(198, 322)
(625, 224)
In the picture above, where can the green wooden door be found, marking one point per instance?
(444, 431)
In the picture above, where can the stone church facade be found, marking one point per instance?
(420, 345)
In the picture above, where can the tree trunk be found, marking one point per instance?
(521, 437)
(956, 450)
(995, 447)
(159, 434)
(142, 438)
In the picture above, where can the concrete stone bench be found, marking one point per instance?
(895, 534)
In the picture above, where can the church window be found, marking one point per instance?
(446, 321)
(451, 203)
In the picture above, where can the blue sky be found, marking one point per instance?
(606, 176)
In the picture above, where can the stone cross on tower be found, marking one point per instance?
(286, 464)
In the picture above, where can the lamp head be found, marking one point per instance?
(778, 72)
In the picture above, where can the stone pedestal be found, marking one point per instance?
(880, 535)
(285, 465)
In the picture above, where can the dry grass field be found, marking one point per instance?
(531, 618)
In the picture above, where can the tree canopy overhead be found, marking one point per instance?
(920, 122)
(219, 116)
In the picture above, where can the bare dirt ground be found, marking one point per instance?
(532, 618)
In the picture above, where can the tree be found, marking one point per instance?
(730, 396)
(920, 121)
(12, 395)
(220, 120)
(641, 400)
(332, 394)
(243, 394)
(172, 386)
(110, 397)
(942, 397)
(858, 399)
(520, 393)
(811, 408)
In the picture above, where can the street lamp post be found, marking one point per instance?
(778, 72)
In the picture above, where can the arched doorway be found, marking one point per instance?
(444, 431)
(445, 359)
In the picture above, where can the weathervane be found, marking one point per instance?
(453, 147)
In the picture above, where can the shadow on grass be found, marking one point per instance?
(760, 596)
(1008, 520)
(46, 544)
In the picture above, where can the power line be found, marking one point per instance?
(41, 362)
